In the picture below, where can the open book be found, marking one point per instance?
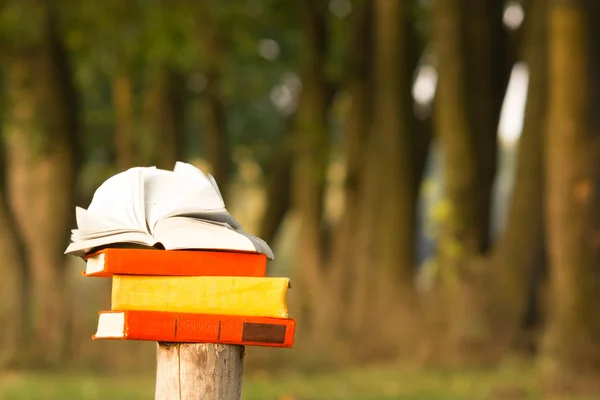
(147, 206)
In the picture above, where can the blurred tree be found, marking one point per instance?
(41, 130)
(278, 186)
(348, 281)
(519, 257)
(164, 114)
(391, 159)
(389, 192)
(210, 33)
(123, 103)
(311, 156)
(16, 285)
(470, 45)
(469, 42)
(573, 200)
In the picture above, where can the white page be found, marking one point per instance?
(90, 221)
(120, 199)
(213, 182)
(260, 245)
(196, 173)
(169, 193)
(80, 248)
(188, 233)
(216, 216)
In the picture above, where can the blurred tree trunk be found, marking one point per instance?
(520, 255)
(122, 98)
(165, 117)
(421, 125)
(486, 78)
(216, 141)
(344, 265)
(16, 312)
(573, 193)
(392, 145)
(471, 50)
(471, 54)
(385, 241)
(309, 169)
(278, 188)
(41, 132)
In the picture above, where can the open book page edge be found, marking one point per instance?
(191, 233)
(221, 216)
(260, 245)
(114, 198)
(80, 248)
(189, 169)
(213, 182)
(193, 194)
(138, 206)
(90, 221)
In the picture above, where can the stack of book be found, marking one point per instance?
(182, 268)
(192, 296)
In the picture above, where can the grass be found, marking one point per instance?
(373, 383)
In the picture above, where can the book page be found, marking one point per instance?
(189, 233)
(260, 245)
(120, 199)
(216, 216)
(89, 222)
(169, 194)
(195, 173)
(81, 247)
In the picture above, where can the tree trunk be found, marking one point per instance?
(310, 164)
(344, 265)
(471, 63)
(216, 142)
(16, 312)
(486, 78)
(279, 179)
(471, 87)
(393, 143)
(573, 193)
(203, 371)
(122, 98)
(384, 246)
(519, 256)
(42, 156)
(165, 118)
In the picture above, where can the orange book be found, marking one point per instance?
(119, 261)
(195, 328)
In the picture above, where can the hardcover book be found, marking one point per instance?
(115, 261)
(195, 328)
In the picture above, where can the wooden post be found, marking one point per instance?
(197, 371)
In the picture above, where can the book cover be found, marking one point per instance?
(195, 328)
(225, 295)
(122, 261)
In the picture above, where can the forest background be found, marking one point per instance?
(427, 171)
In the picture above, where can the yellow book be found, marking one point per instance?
(225, 295)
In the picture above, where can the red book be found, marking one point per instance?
(195, 328)
(119, 261)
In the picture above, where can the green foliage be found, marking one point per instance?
(21, 23)
(190, 37)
